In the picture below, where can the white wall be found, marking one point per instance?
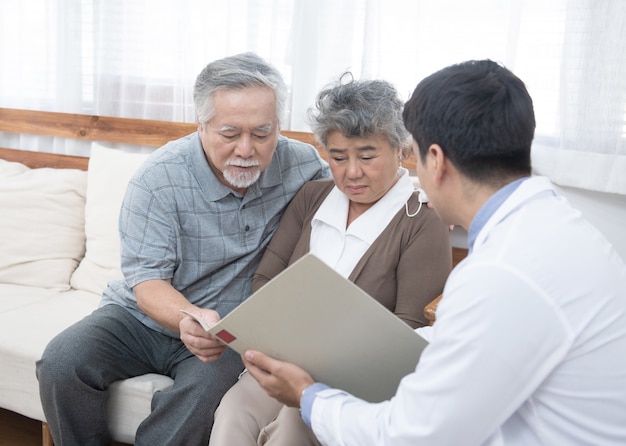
(607, 212)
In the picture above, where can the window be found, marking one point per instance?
(139, 58)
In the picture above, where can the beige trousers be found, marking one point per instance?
(247, 416)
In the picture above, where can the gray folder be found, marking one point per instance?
(313, 317)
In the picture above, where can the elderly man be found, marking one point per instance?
(195, 220)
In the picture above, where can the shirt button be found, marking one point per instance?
(247, 228)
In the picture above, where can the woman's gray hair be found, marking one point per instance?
(233, 73)
(360, 109)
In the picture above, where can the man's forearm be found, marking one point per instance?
(162, 302)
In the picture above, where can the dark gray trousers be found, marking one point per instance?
(81, 362)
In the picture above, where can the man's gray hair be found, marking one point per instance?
(237, 72)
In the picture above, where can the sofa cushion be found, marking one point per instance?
(107, 177)
(42, 237)
(26, 330)
(21, 309)
(130, 402)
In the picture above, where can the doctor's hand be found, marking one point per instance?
(281, 380)
(199, 342)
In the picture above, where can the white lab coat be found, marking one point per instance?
(529, 347)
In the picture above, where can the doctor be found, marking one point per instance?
(529, 343)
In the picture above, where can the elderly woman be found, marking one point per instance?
(368, 224)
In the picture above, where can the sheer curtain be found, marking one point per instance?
(139, 58)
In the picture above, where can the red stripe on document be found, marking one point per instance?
(226, 336)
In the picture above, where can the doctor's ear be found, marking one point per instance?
(435, 152)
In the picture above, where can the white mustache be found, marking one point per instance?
(243, 163)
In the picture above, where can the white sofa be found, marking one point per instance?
(58, 248)
(59, 243)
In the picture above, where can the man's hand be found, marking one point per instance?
(281, 380)
(202, 344)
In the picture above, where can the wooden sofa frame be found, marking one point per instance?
(109, 129)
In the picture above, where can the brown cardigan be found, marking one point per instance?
(404, 269)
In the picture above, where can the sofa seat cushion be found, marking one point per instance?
(30, 317)
(130, 402)
(26, 330)
(42, 224)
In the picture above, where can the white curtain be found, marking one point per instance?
(139, 58)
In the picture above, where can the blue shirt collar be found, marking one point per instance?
(489, 208)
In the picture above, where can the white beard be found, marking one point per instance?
(239, 179)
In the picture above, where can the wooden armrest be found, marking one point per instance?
(431, 309)
(46, 435)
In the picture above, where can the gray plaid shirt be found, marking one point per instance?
(179, 222)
